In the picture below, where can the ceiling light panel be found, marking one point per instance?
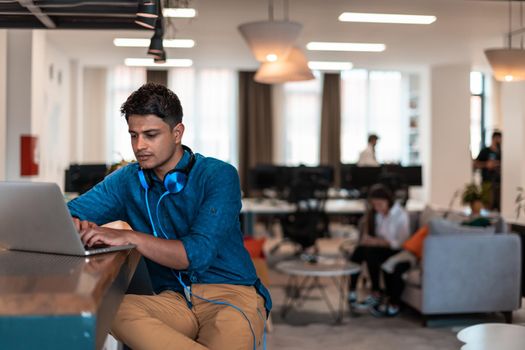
(172, 43)
(179, 12)
(333, 46)
(148, 62)
(327, 65)
(386, 18)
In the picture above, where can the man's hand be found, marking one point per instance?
(492, 164)
(104, 235)
(82, 225)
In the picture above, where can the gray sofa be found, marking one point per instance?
(466, 273)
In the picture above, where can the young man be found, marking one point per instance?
(367, 157)
(184, 211)
(489, 161)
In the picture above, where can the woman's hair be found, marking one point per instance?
(377, 191)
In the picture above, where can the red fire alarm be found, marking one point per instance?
(28, 155)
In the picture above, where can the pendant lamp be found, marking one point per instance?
(292, 68)
(508, 64)
(271, 40)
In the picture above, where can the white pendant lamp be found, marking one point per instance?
(271, 40)
(508, 64)
(292, 68)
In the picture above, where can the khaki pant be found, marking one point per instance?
(165, 322)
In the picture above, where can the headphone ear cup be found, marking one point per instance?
(143, 178)
(175, 181)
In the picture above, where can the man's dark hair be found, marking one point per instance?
(154, 99)
(496, 134)
(372, 137)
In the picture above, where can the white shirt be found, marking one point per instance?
(393, 227)
(367, 157)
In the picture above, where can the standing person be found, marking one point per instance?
(385, 229)
(489, 161)
(367, 157)
(184, 210)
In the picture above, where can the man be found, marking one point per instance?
(184, 211)
(367, 157)
(489, 161)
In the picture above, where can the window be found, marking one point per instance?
(209, 102)
(302, 122)
(371, 102)
(477, 113)
(122, 81)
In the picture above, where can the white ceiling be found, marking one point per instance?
(462, 30)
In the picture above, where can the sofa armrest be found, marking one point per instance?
(471, 273)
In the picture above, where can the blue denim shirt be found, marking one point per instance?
(204, 216)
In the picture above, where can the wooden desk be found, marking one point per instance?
(52, 301)
(258, 206)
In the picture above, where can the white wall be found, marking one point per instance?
(94, 115)
(3, 81)
(19, 53)
(513, 146)
(450, 163)
(51, 110)
(75, 111)
(37, 103)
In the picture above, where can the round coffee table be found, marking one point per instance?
(490, 336)
(304, 277)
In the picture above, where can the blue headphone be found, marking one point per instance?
(175, 180)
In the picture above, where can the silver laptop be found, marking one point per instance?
(34, 217)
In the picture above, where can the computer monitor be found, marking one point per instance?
(268, 176)
(408, 175)
(359, 177)
(320, 176)
(82, 177)
(412, 175)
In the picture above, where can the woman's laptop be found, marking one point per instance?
(34, 217)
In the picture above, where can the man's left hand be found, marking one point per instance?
(105, 235)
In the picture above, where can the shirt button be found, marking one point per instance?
(193, 278)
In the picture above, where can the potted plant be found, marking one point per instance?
(474, 196)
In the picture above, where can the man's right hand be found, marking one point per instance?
(82, 225)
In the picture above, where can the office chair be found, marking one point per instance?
(309, 221)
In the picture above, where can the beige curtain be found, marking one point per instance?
(255, 125)
(331, 123)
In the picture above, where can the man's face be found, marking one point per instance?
(154, 142)
(497, 141)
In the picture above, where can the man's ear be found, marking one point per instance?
(178, 131)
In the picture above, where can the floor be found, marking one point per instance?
(312, 326)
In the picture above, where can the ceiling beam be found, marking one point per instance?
(35, 10)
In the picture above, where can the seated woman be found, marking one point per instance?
(385, 229)
(393, 269)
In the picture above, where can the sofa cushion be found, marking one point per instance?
(413, 277)
(414, 244)
(442, 227)
(428, 214)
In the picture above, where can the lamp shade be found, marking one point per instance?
(292, 68)
(507, 64)
(156, 43)
(270, 40)
(147, 8)
(146, 22)
(161, 58)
